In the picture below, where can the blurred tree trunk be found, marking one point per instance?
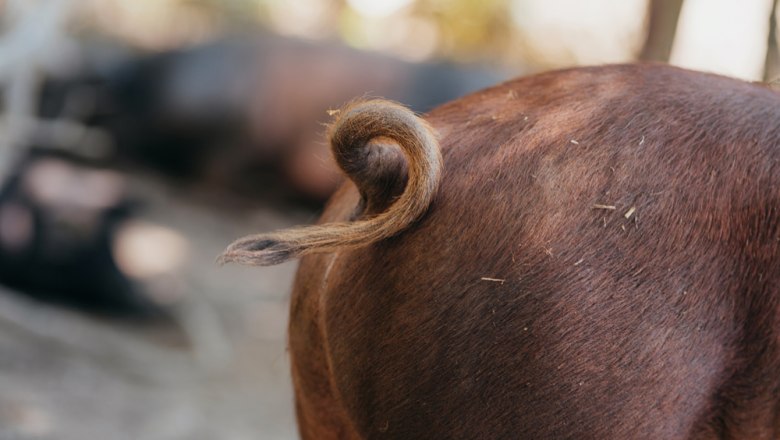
(772, 68)
(661, 26)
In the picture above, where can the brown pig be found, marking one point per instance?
(584, 254)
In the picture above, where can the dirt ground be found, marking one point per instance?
(220, 372)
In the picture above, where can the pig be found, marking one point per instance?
(582, 254)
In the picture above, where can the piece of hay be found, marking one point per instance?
(495, 280)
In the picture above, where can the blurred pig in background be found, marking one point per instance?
(56, 222)
(244, 114)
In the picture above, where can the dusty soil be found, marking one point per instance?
(219, 371)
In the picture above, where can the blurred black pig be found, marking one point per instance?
(58, 218)
(245, 114)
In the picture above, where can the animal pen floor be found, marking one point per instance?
(221, 372)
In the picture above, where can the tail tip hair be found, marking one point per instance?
(257, 251)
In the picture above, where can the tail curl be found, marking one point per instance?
(358, 140)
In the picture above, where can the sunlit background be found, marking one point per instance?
(139, 137)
